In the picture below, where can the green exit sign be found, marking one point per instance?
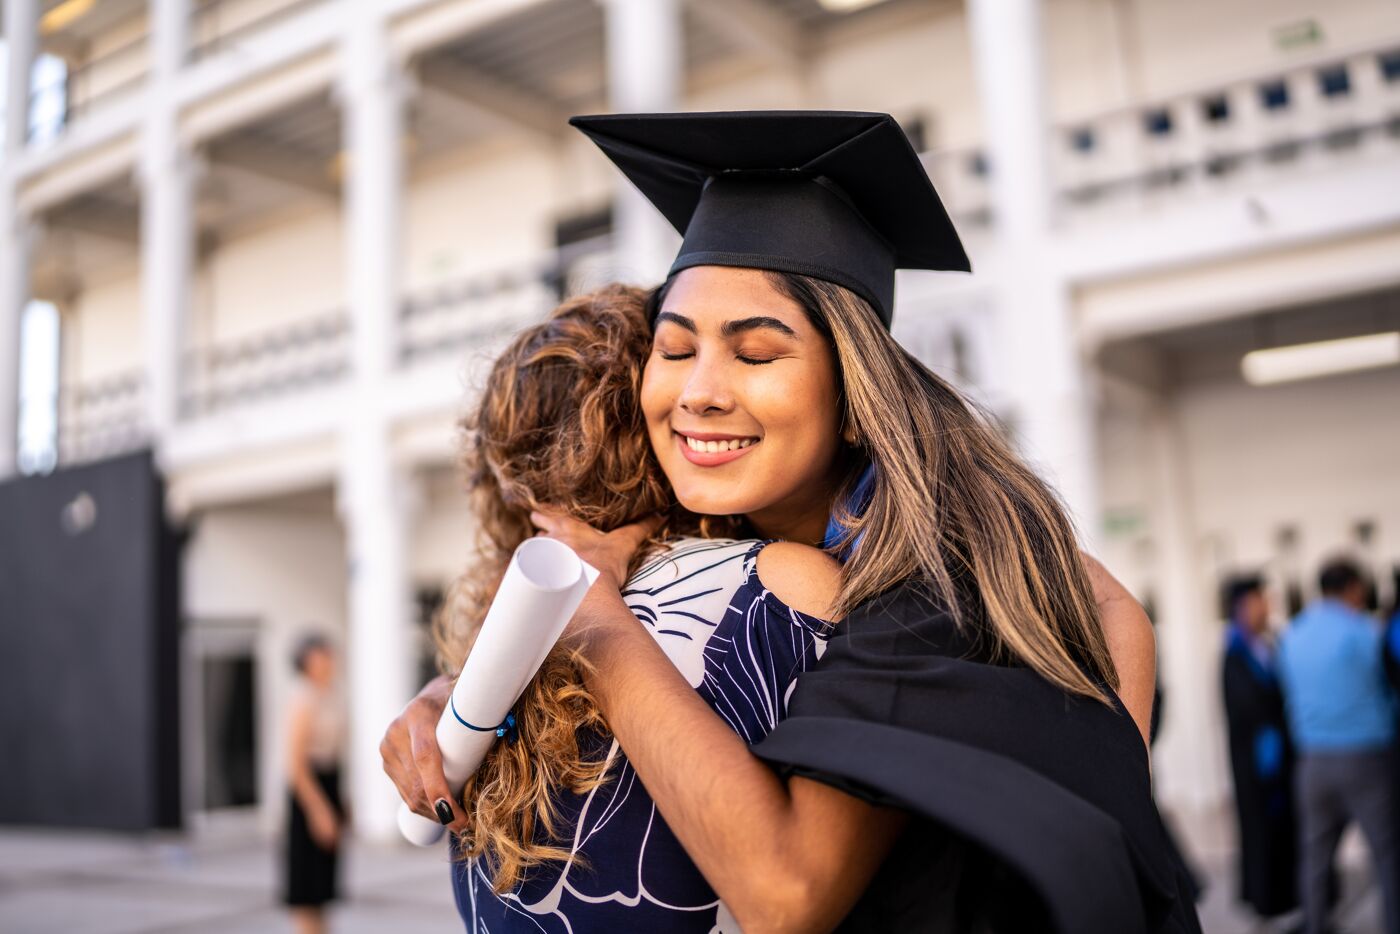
(1303, 34)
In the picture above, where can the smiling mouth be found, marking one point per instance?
(711, 450)
(716, 445)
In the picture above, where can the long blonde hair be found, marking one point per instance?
(953, 506)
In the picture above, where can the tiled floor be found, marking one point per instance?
(88, 883)
(91, 883)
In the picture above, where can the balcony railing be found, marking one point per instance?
(448, 318)
(218, 25)
(1246, 128)
(63, 95)
(103, 417)
(272, 364)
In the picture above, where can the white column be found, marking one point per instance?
(1045, 375)
(1189, 755)
(16, 237)
(372, 492)
(20, 36)
(168, 173)
(645, 67)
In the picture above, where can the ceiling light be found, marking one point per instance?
(1305, 361)
(64, 15)
(846, 6)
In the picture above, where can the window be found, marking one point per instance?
(1216, 108)
(1273, 95)
(1157, 122)
(48, 98)
(1334, 81)
(38, 388)
(1389, 63)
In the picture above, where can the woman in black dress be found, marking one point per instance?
(316, 817)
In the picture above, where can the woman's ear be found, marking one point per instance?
(848, 434)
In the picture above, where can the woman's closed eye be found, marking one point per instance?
(742, 358)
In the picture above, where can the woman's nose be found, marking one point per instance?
(705, 392)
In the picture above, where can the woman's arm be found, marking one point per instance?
(321, 818)
(790, 855)
(783, 855)
(1131, 642)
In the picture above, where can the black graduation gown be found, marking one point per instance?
(1261, 762)
(1034, 807)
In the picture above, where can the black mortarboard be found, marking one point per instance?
(837, 195)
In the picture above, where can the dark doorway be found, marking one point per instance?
(230, 730)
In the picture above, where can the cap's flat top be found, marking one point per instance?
(865, 156)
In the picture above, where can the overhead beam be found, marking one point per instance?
(492, 99)
(117, 223)
(754, 26)
(280, 165)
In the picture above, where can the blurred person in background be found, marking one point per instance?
(1340, 712)
(1261, 754)
(316, 817)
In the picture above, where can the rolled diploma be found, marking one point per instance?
(542, 587)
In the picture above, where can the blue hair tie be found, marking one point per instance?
(505, 729)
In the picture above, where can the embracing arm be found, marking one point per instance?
(784, 855)
(1131, 642)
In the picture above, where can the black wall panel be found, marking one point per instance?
(89, 652)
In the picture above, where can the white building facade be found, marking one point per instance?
(283, 238)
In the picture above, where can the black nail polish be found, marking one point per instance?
(444, 811)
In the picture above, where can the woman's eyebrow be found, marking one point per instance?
(742, 325)
(730, 328)
(680, 320)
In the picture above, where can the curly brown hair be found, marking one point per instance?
(558, 425)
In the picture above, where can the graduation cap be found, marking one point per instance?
(836, 195)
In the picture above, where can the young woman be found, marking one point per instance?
(315, 814)
(961, 733)
(557, 825)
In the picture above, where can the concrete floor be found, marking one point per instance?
(93, 883)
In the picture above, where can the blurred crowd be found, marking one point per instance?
(1311, 714)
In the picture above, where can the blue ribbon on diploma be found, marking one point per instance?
(505, 729)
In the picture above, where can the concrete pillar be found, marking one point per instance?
(1190, 752)
(372, 492)
(1045, 376)
(167, 173)
(645, 68)
(16, 239)
(20, 36)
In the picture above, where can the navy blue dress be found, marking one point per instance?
(741, 648)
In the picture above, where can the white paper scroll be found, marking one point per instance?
(542, 587)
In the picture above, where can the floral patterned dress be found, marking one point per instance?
(741, 648)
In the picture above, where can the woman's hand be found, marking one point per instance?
(411, 756)
(324, 827)
(609, 552)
